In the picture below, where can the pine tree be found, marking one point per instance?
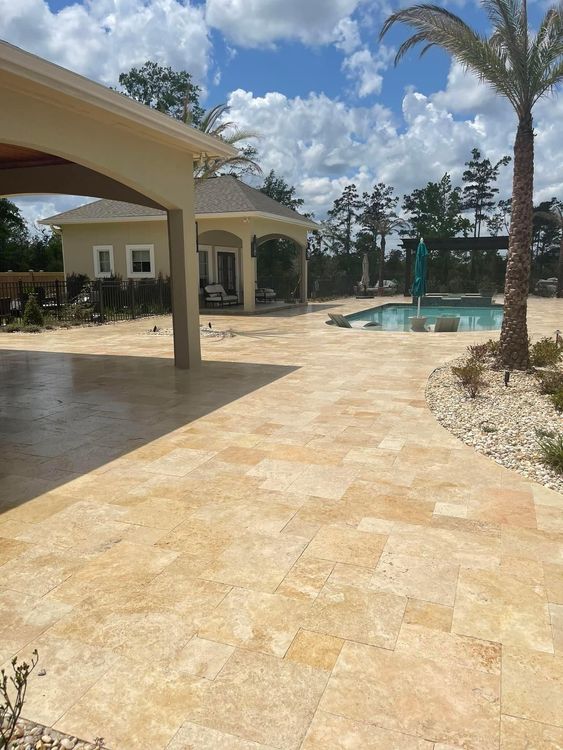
(479, 190)
(342, 219)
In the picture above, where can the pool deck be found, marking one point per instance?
(280, 550)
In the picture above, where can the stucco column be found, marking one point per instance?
(248, 272)
(184, 275)
(303, 285)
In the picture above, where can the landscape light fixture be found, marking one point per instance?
(506, 377)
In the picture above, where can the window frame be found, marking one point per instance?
(129, 249)
(98, 274)
(207, 249)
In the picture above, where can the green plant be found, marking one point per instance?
(11, 705)
(545, 353)
(470, 376)
(11, 327)
(479, 352)
(557, 399)
(551, 448)
(32, 314)
(550, 381)
(32, 329)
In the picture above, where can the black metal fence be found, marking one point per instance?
(93, 301)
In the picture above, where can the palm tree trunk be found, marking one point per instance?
(382, 263)
(514, 333)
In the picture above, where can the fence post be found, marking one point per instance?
(101, 298)
(132, 299)
(58, 294)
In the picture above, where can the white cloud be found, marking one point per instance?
(320, 145)
(102, 38)
(347, 35)
(253, 23)
(366, 69)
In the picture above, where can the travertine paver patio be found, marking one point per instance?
(280, 550)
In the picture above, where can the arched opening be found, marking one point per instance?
(279, 265)
(220, 261)
(27, 171)
(61, 133)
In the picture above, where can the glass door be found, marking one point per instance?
(226, 271)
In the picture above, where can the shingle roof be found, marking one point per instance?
(216, 195)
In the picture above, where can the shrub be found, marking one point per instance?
(551, 448)
(470, 376)
(493, 345)
(11, 328)
(557, 399)
(32, 314)
(11, 705)
(550, 380)
(479, 352)
(32, 329)
(545, 353)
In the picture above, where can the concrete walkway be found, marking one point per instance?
(280, 550)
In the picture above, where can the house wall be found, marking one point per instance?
(79, 241)
(215, 235)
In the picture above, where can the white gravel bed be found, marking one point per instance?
(31, 736)
(501, 422)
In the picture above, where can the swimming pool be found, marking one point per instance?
(395, 317)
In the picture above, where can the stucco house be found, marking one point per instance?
(108, 237)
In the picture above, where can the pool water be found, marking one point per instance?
(396, 317)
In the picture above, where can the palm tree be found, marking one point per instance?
(213, 124)
(521, 67)
(555, 215)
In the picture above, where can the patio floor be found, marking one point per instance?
(280, 550)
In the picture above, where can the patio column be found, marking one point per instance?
(304, 282)
(248, 272)
(184, 275)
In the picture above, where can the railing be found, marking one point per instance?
(94, 301)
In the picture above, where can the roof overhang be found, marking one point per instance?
(305, 223)
(27, 73)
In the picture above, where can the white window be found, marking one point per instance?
(103, 261)
(140, 261)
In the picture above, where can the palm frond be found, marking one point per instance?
(439, 27)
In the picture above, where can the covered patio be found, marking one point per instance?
(61, 133)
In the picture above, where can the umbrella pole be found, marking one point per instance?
(418, 310)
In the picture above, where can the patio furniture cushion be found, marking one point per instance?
(446, 324)
(339, 320)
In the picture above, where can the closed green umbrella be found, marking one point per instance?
(419, 283)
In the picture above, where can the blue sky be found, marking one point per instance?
(308, 75)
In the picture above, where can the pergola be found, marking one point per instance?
(456, 244)
(62, 133)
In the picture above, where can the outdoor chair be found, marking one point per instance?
(216, 296)
(339, 320)
(265, 294)
(446, 324)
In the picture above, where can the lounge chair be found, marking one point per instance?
(446, 324)
(265, 294)
(215, 296)
(339, 320)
